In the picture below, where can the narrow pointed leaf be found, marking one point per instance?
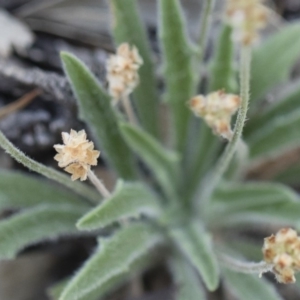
(163, 163)
(109, 286)
(178, 68)
(208, 146)
(196, 245)
(281, 214)
(285, 103)
(277, 137)
(222, 72)
(96, 109)
(254, 203)
(129, 200)
(273, 60)
(20, 190)
(187, 281)
(128, 28)
(44, 222)
(78, 187)
(249, 287)
(114, 257)
(231, 198)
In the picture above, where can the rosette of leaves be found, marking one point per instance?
(158, 202)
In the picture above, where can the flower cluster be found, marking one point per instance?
(122, 71)
(216, 109)
(246, 17)
(283, 251)
(77, 155)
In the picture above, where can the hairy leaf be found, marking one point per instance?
(281, 214)
(41, 223)
(114, 257)
(187, 281)
(162, 162)
(222, 72)
(234, 197)
(249, 287)
(273, 60)
(18, 190)
(128, 28)
(109, 286)
(95, 106)
(253, 202)
(178, 68)
(196, 245)
(129, 200)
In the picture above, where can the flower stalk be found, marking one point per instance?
(213, 180)
(50, 173)
(129, 110)
(244, 267)
(98, 184)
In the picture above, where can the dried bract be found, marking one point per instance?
(216, 109)
(283, 251)
(77, 154)
(122, 71)
(246, 17)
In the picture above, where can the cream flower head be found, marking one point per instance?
(122, 71)
(216, 109)
(246, 17)
(283, 252)
(76, 155)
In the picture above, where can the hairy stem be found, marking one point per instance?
(50, 173)
(244, 267)
(98, 184)
(214, 178)
(129, 110)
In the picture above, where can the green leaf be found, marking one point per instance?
(109, 286)
(114, 257)
(207, 149)
(41, 223)
(273, 60)
(187, 281)
(129, 200)
(242, 196)
(253, 203)
(163, 163)
(96, 109)
(78, 187)
(178, 68)
(222, 71)
(21, 190)
(128, 28)
(285, 103)
(281, 214)
(196, 245)
(290, 175)
(277, 137)
(249, 287)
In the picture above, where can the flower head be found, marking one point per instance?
(77, 154)
(122, 71)
(246, 17)
(283, 251)
(216, 109)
